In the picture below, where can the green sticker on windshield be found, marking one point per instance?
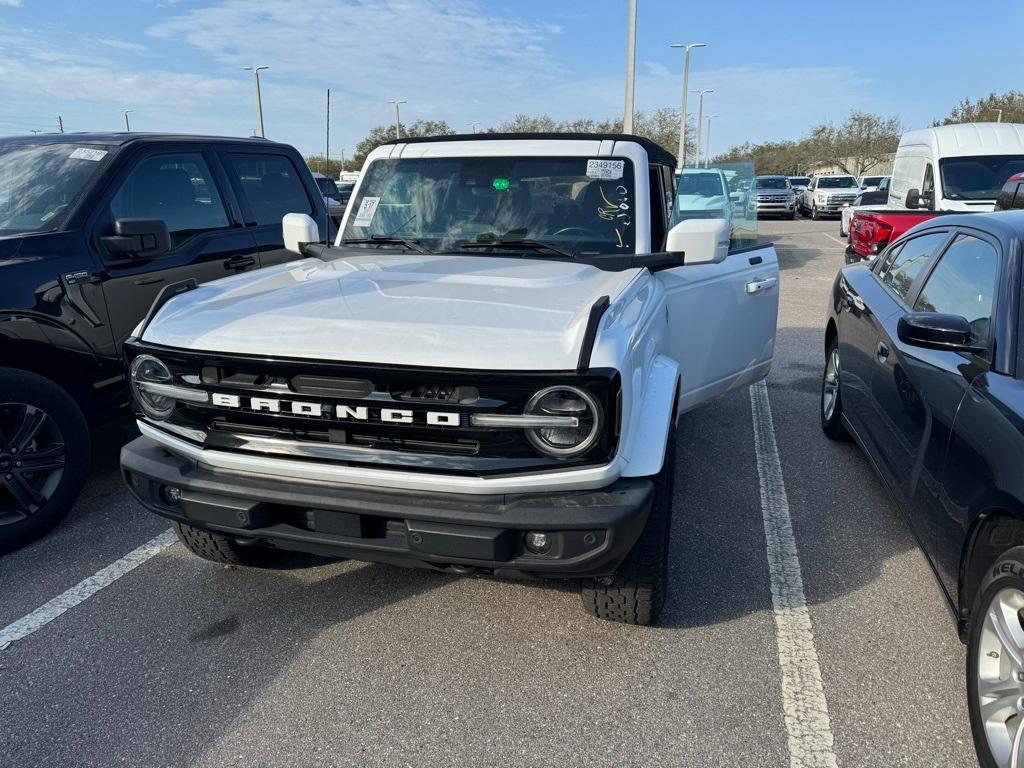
(500, 184)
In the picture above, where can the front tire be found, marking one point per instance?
(831, 409)
(222, 549)
(637, 591)
(995, 663)
(815, 216)
(44, 456)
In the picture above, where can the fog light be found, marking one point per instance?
(537, 542)
(170, 495)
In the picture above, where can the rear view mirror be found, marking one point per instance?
(299, 228)
(138, 238)
(933, 330)
(699, 241)
(913, 198)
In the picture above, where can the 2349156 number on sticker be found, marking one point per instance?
(605, 169)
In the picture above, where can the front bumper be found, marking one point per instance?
(591, 531)
(776, 208)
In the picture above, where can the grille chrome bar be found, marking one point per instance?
(185, 394)
(524, 421)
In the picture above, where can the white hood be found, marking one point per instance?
(397, 309)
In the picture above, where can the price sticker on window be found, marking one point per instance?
(366, 212)
(606, 169)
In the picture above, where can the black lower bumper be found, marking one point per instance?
(590, 532)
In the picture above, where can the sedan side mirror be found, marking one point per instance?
(138, 238)
(699, 241)
(934, 330)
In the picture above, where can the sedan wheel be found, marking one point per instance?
(831, 396)
(999, 677)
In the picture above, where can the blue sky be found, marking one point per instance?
(776, 69)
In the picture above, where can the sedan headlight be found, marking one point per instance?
(565, 441)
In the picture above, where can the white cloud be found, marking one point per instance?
(10, 3)
(121, 45)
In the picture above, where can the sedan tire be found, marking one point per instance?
(831, 410)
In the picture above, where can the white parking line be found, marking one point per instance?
(834, 239)
(84, 589)
(805, 709)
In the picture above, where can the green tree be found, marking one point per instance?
(986, 109)
(385, 133)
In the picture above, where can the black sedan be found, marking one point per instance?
(924, 369)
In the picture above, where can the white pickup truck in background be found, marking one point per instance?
(481, 375)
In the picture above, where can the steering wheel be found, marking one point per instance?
(583, 230)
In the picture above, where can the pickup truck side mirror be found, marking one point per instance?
(699, 241)
(934, 330)
(299, 228)
(138, 238)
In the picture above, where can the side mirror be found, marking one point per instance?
(934, 330)
(913, 198)
(138, 238)
(299, 228)
(699, 241)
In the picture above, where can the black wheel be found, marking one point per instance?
(218, 548)
(831, 396)
(636, 593)
(791, 215)
(995, 664)
(842, 232)
(815, 216)
(44, 456)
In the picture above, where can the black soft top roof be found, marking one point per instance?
(119, 138)
(655, 152)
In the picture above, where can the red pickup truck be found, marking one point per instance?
(871, 231)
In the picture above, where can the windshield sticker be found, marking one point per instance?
(614, 207)
(87, 153)
(366, 212)
(606, 169)
(500, 184)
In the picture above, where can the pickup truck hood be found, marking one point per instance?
(444, 311)
(700, 202)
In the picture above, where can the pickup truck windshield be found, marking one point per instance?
(769, 183)
(977, 178)
(327, 187)
(870, 181)
(444, 203)
(39, 183)
(838, 182)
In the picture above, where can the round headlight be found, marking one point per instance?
(148, 369)
(568, 441)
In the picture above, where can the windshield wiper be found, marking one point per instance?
(533, 245)
(412, 245)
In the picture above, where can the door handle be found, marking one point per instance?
(762, 285)
(883, 352)
(239, 262)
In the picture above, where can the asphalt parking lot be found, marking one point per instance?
(183, 662)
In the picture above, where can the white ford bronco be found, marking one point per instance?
(481, 375)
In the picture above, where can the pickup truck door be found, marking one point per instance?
(722, 319)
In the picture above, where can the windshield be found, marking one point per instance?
(870, 181)
(977, 178)
(577, 204)
(799, 181)
(701, 184)
(38, 184)
(327, 186)
(837, 182)
(772, 182)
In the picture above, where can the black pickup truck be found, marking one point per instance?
(92, 227)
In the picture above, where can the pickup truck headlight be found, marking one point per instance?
(565, 442)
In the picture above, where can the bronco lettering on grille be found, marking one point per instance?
(342, 412)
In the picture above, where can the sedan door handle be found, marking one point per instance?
(762, 285)
(239, 262)
(883, 352)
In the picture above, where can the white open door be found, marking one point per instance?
(722, 316)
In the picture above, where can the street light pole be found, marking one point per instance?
(473, 125)
(127, 126)
(398, 120)
(707, 147)
(627, 117)
(1000, 118)
(700, 119)
(681, 161)
(259, 101)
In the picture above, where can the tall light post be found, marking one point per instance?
(473, 124)
(398, 119)
(127, 125)
(1000, 118)
(700, 119)
(686, 89)
(627, 115)
(259, 101)
(707, 146)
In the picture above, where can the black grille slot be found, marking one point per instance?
(330, 386)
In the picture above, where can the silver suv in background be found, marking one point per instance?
(775, 197)
(828, 193)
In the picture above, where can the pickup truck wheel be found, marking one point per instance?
(636, 593)
(223, 549)
(995, 663)
(815, 216)
(791, 215)
(831, 396)
(44, 456)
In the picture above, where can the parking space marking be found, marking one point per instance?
(805, 708)
(84, 589)
(834, 239)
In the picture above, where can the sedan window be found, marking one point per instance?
(900, 272)
(963, 283)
